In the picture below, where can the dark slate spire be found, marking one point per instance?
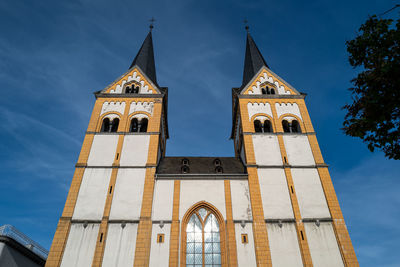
(253, 60)
(145, 58)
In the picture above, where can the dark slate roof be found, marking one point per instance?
(145, 59)
(253, 61)
(201, 165)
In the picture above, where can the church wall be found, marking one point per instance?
(266, 149)
(275, 194)
(287, 108)
(298, 150)
(323, 246)
(309, 193)
(245, 251)
(120, 245)
(159, 252)
(135, 150)
(195, 191)
(163, 200)
(284, 245)
(241, 206)
(92, 194)
(128, 193)
(80, 246)
(103, 149)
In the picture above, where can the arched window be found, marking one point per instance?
(128, 90)
(268, 91)
(185, 169)
(134, 125)
(135, 90)
(272, 91)
(105, 127)
(263, 91)
(143, 125)
(257, 126)
(203, 243)
(295, 127)
(286, 126)
(114, 125)
(267, 126)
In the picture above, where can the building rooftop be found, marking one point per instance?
(201, 165)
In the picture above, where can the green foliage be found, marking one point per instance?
(374, 115)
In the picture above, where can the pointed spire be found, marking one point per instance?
(253, 60)
(145, 58)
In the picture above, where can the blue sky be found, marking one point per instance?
(55, 54)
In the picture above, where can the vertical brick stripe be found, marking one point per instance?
(174, 236)
(61, 235)
(339, 226)
(143, 240)
(261, 244)
(230, 227)
(303, 244)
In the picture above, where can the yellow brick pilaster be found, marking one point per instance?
(174, 236)
(61, 235)
(261, 244)
(339, 226)
(301, 234)
(143, 240)
(230, 226)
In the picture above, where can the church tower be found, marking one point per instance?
(107, 215)
(272, 204)
(297, 220)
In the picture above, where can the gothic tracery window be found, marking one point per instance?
(203, 247)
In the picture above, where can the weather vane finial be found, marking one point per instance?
(246, 25)
(152, 23)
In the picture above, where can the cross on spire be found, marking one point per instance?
(245, 21)
(152, 23)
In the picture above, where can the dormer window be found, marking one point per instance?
(218, 169)
(217, 162)
(185, 162)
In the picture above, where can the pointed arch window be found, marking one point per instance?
(203, 242)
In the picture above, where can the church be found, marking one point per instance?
(271, 204)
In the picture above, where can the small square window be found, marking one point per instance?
(245, 239)
(160, 238)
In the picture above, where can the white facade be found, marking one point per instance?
(298, 150)
(310, 194)
(128, 194)
(323, 245)
(102, 152)
(163, 200)
(266, 149)
(92, 194)
(240, 195)
(135, 150)
(245, 251)
(284, 246)
(275, 194)
(120, 245)
(80, 246)
(194, 191)
(159, 252)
